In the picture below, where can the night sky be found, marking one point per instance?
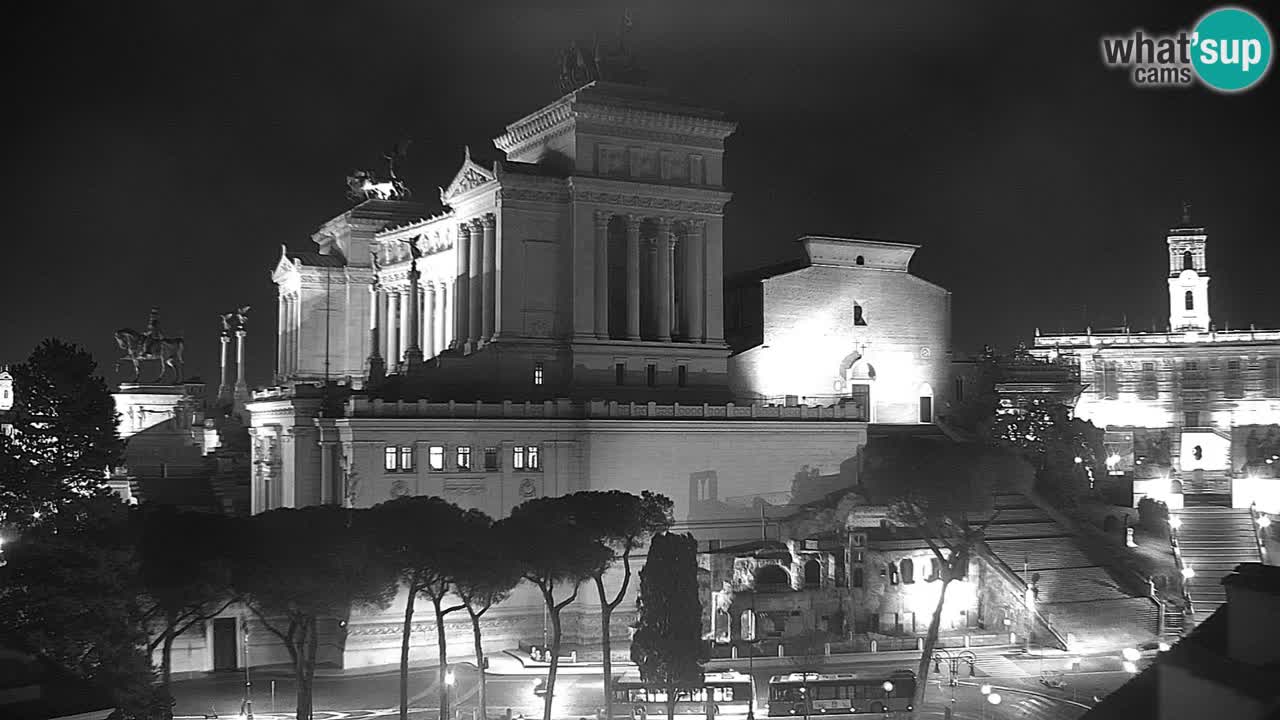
(160, 153)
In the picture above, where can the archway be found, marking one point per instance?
(772, 575)
(926, 403)
(812, 574)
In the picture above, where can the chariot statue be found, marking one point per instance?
(152, 345)
(366, 185)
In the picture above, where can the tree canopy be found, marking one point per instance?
(668, 646)
(64, 437)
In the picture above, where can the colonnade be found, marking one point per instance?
(413, 316)
(683, 269)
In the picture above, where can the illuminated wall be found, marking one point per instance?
(837, 324)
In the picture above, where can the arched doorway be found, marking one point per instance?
(926, 403)
(772, 575)
(813, 574)
(856, 378)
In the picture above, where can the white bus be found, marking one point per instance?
(723, 696)
(806, 694)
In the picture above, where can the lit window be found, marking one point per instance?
(537, 373)
(491, 458)
(1190, 301)
(908, 571)
(398, 458)
(525, 457)
(389, 459)
(464, 458)
(406, 458)
(435, 456)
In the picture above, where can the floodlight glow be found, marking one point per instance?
(449, 678)
(1131, 654)
(1163, 647)
(888, 686)
(994, 698)
(1130, 668)
(1188, 572)
(1264, 521)
(1175, 522)
(1113, 460)
(985, 689)
(1079, 460)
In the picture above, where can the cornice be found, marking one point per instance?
(648, 197)
(540, 123)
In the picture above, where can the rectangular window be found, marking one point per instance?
(435, 457)
(389, 459)
(406, 458)
(926, 409)
(491, 458)
(1234, 387)
(1110, 384)
(1148, 386)
(1271, 383)
(620, 374)
(537, 373)
(1191, 419)
(464, 458)
(651, 374)
(682, 375)
(525, 457)
(959, 389)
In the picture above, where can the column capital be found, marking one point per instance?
(602, 218)
(633, 221)
(664, 223)
(488, 220)
(240, 334)
(697, 224)
(464, 228)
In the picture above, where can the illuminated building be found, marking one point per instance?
(559, 326)
(1193, 408)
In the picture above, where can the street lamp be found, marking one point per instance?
(449, 679)
(1175, 522)
(246, 708)
(1188, 572)
(888, 688)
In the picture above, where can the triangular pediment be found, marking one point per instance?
(470, 176)
(284, 266)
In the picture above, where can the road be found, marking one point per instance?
(1015, 676)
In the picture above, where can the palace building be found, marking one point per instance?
(1191, 410)
(560, 325)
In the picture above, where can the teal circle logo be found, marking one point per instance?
(1231, 49)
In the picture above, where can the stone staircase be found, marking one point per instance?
(1212, 541)
(1076, 595)
(1206, 487)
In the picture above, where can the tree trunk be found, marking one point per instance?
(555, 657)
(671, 702)
(304, 668)
(404, 652)
(930, 640)
(166, 659)
(444, 660)
(475, 631)
(606, 645)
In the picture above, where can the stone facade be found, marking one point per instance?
(850, 324)
(560, 327)
(1193, 399)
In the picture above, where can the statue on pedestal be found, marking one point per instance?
(141, 347)
(366, 185)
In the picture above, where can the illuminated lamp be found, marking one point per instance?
(994, 698)
(1188, 572)
(1079, 460)
(1175, 522)
(1131, 654)
(1264, 521)
(1130, 668)
(888, 686)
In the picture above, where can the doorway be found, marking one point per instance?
(224, 644)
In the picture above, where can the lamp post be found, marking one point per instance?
(888, 688)
(449, 679)
(246, 708)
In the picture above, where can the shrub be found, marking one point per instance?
(1152, 514)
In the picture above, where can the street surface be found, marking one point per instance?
(1014, 675)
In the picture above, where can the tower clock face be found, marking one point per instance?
(1188, 275)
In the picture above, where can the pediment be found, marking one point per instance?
(469, 177)
(284, 266)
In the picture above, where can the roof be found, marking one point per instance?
(312, 259)
(522, 168)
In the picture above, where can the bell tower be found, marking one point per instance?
(1188, 277)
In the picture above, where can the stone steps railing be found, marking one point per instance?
(595, 409)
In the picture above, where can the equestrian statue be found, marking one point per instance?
(140, 347)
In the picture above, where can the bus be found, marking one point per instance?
(822, 694)
(723, 696)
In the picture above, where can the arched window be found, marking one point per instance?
(859, 261)
(1188, 261)
(908, 571)
(1191, 302)
(858, 319)
(772, 575)
(812, 574)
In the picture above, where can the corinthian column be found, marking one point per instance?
(224, 386)
(403, 326)
(242, 386)
(377, 369)
(490, 267)
(694, 281)
(475, 281)
(662, 275)
(602, 274)
(412, 321)
(282, 335)
(393, 329)
(633, 277)
(429, 320)
(461, 287)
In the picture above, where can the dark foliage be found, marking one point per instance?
(668, 646)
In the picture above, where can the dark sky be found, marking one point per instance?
(160, 153)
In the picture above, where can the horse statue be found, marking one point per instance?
(139, 347)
